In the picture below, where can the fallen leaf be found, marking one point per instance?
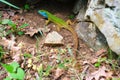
(9, 44)
(102, 72)
(34, 67)
(100, 52)
(32, 31)
(65, 78)
(58, 73)
(17, 56)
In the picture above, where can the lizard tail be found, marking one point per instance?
(75, 37)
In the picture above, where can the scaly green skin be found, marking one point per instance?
(62, 24)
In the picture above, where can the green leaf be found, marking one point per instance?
(13, 75)
(71, 16)
(27, 7)
(40, 71)
(61, 65)
(27, 55)
(23, 26)
(97, 64)
(19, 75)
(5, 21)
(8, 32)
(15, 65)
(7, 78)
(115, 78)
(2, 52)
(47, 72)
(20, 33)
(12, 24)
(40, 68)
(8, 67)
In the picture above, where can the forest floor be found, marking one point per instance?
(56, 62)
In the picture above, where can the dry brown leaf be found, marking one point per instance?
(32, 31)
(9, 44)
(100, 52)
(100, 73)
(65, 78)
(58, 73)
(17, 56)
(94, 60)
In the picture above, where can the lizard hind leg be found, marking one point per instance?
(69, 22)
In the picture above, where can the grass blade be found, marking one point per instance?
(3, 1)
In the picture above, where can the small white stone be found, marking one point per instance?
(54, 38)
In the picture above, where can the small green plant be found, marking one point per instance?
(43, 72)
(13, 27)
(14, 71)
(113, 63)
(2, 52)
(71, 16)
(47, 70)
(27, 55)
(40, 71)
(115, 79)
(27, 7)
(100, 60)
(6, 2)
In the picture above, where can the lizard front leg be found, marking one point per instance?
(47, 22)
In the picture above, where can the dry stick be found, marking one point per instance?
(84, 72)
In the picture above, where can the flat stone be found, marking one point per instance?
(53, 38)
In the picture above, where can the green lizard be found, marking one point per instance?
(61, 24)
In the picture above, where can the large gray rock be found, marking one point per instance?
(88, 31)
(91, 36)
(105, 14)
(80, 5)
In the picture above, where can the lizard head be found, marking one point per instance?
(43, 13)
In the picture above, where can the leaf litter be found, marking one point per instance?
(47, 62)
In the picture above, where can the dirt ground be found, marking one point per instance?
(53, 55)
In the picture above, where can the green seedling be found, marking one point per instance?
(114, 65)
(14, 28)
(62, 62)
(14, 71)
(110, 56)
(27, 7)
(115, 79)
(2, 52)
(27, 55)
(71, 16)
(62, 66)
(6, 2)
(40, 71)
(43, 72)
(47, 70)
(100, 60)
